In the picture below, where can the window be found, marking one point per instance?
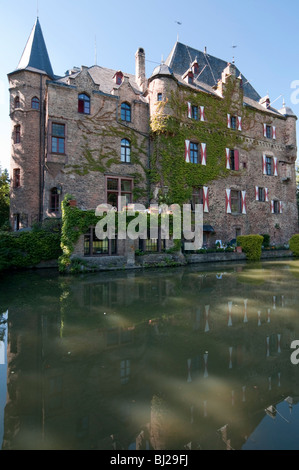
(16, 221)
(234, 160)
(268, 132)
(54, 200)
(233, 122)
(17, 134)
(197, 197)
(152, 245)
(125, 371)
(117, 187)
(16, 178)
(83, 104)
(194, 112)
(118, 78)
(159, 96)
(195, 68)
(35, 103)
(194, 152)
(261, 194)
(235, 201)
(17, 102)
(58, 138)
(125, 151)
(276, 207)
(125, 112)
(95, 247)
(190, 78)
(269, 167)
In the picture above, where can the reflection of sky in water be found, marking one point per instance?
(3, 372)
(280, 432)
(185, 356)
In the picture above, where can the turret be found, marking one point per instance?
(27, 87)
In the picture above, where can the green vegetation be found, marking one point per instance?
(294, 245)
(27, 249)
(4, 200)
(266, 241)
(170, 128)
(251, 245)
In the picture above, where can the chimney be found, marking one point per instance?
(140, 68)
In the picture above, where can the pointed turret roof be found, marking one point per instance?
(35, 56)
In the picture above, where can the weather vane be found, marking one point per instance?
(233, 47)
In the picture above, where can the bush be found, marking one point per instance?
(251, 245)
(27, 249)
(294, 244)
(266, 242)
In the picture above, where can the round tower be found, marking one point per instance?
(27, 87)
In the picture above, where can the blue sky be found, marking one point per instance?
(264, 31)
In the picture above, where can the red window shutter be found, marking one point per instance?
(202, 113)
(257, 193)
(265, 130)
(264, 164)
(274, 132)
(275, 172)
(280, 207)
(203, 154)
(243, 200)
(228, 201)
(228, 121)
(272, 207)
(187, 151)
(189, 110)
(266, 195)
(227, 156)
(239, 123)
(205, 199)
(236, 159)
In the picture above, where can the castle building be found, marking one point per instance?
(194, 131)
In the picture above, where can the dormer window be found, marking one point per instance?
(195, 68)
(190, 77)
(83, 104)
(118, 77)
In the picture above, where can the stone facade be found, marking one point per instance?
(91, 137)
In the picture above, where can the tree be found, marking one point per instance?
(4, 199)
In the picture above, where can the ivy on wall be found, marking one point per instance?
(106, 130)
(170, 127)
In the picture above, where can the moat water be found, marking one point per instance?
(196, 357)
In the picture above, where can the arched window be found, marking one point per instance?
(17, 102)
(83, 104)
(35, 103)
(125, 151)
(54, 200)
(125, 112)
(17, 134)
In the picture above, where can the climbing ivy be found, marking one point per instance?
(170, 127)
(106, 130)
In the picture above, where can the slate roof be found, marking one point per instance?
(103, 79)
(210, 68)
(35, 55)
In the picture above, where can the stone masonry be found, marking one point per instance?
(64, 149)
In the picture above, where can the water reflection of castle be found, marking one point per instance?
(166, 360)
